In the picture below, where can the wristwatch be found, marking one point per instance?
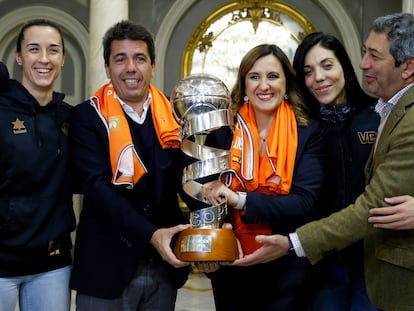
(291, 250)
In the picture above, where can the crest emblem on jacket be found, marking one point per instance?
(19, 127)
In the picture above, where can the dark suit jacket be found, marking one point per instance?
(287, 212)
(116, 224)
(389, 255)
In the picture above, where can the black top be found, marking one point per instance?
(36, 212)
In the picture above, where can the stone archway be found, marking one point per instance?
(76, 45)
(336, 12)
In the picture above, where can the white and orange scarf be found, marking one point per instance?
(270, 174)
(127, 166)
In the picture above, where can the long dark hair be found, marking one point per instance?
(355, 95)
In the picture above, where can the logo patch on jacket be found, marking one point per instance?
(367, 137)
(18, 127)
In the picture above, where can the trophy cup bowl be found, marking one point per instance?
(206, 244)
(207, 240)
(201, 103)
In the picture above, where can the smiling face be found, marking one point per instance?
(381, 77)
(130, 70)
(324, 76)
(266, 84)
(41, 58)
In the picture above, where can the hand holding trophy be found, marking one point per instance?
(201, 104)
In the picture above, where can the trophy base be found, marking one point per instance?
(204, 244)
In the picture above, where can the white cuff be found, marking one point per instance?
(296, 244)
(242, 200)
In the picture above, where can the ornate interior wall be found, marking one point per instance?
(172, 22)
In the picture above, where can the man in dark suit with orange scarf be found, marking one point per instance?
(125, 142)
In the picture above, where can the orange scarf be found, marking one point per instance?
(272, 174)
(127, 166)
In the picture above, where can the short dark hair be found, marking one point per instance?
(38, 22)
(399, 28)
(127, 30)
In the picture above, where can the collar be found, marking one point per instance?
(335, 113)
(132, 113)
(393, 100)
(383, 107)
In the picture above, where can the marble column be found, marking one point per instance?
(103, 14)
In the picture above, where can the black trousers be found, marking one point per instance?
(278, 285)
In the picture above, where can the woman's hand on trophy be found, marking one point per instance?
(216, 193)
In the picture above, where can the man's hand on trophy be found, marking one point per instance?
(274, 246)
(161, 240)
(216, 193)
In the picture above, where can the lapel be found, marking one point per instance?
(396, 114)
(369, 166)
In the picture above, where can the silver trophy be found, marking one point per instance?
(201, 104)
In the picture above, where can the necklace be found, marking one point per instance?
(262, 145)
(263, 135)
